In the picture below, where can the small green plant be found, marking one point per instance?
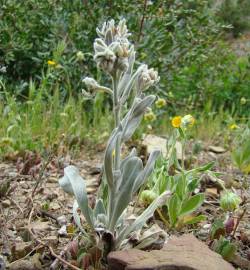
(46, 118)
(225, 248)
(241, 149)
(222, 231)
(235, 13)
(172, 175)
(123, 177)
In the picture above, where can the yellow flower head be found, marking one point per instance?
(176, 121)
(51, 63)
(79, 56)
(233, 126)
(170, 94)
(187, 120)
(243, 101)
(149, 116)
(160, 103)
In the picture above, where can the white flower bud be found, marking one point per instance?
(112, 48)
(105, 60)
(91, 83)
(117, 48)
(122, 63)
(147, 78)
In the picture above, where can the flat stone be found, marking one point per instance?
(179, 253)
(20, 249)
(153, 142)
(39, 226)
(212, 192)
(217, 149)
(51, 240)
(6, 203)
(62, 220)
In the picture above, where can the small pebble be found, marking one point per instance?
(63, 231)
(62, 220)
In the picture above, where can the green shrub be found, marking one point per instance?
(236, 13)
(180, 39)
(43, 122)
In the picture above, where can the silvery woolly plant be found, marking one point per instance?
(115, 56)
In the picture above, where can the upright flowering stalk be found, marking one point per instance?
(115, 55)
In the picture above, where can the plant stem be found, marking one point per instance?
(117, 153)
(183, 154)
(238, 221)
(162, 217)
(116, 110)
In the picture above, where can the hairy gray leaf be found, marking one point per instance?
(132, 168)
(108, 157)
(134, 116)
(141, 220)
(143, 176)
(79, 188)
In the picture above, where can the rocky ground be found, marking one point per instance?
(36, 215)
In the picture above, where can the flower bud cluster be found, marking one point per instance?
(187, 121)
(112, 48)
(229, 201)
(147, 77)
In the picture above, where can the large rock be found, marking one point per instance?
(153, 142)
(180, 253)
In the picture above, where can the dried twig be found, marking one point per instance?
(62, 260)
(47, 214)
(16, 204)
(142, 19)
(238, 221)
(39, 180)
(27, 255)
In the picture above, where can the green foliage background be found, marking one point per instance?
(179, 38)
(183, 39)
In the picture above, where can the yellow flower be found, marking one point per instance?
(79, 56)
(150, 116)
(160, 103)
(170, 94)
(243, 101)
(176, 121)
(51, 63)
(187, 120)
(234, 126)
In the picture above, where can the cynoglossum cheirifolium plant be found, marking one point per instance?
(115, 56)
